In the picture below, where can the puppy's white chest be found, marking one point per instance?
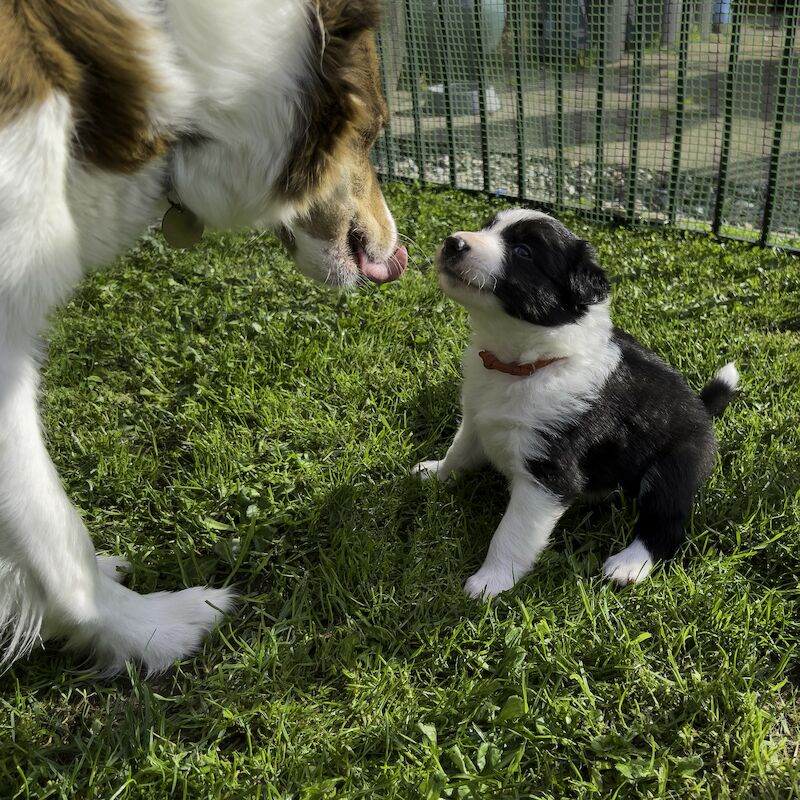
(514, 417)
(504, 411)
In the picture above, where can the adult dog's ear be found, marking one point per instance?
(588, 282)
(347, 18)
(340, 98)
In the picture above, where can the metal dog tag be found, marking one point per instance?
(181, 227)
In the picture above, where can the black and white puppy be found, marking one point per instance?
(564, 403)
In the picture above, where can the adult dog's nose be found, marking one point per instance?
(454, 246)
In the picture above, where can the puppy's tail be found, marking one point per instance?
(721, 389)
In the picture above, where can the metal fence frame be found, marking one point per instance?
(683, 21)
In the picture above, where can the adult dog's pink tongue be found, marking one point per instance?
(383, 271)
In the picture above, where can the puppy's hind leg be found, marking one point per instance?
(666, 496)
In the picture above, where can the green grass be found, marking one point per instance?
(219, 419)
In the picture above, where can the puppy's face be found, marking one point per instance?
(524, 264)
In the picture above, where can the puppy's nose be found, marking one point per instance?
(454, 246)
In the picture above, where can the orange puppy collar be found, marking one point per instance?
(491, 361)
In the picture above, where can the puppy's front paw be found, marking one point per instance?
(426, 470)
(486, 583)
(631, 565)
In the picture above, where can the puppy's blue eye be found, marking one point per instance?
(522, 251)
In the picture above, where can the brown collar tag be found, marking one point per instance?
(491, 361)
(181, 227)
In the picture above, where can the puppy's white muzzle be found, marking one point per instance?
(470, 264)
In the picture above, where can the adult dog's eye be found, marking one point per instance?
(522, 251)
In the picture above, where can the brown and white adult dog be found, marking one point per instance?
(243, 112)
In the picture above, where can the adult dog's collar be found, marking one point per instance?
(491, 361)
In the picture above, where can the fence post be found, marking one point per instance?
(680, 100)
(559, 120)
(484, 122)
(617, 16)
(671, 15)
(727, 125)
(414, 77)
(516, 19)
(790, 17)
(636, 102)
(447, 77)
(386, 82)
(392, 49)
(705, 13)
(601, 15)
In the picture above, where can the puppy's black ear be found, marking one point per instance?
(588, 282)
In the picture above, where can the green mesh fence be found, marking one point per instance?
(679, 112)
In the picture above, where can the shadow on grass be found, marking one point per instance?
(374, 568)
(377, 565)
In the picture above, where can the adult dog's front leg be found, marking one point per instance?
(50, 582)
(464, 455)
(519, 539)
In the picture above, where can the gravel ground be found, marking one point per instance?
(743, 210)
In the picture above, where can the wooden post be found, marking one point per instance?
(705, 13)
(393, 48)
(671, 21)
(617, 22)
